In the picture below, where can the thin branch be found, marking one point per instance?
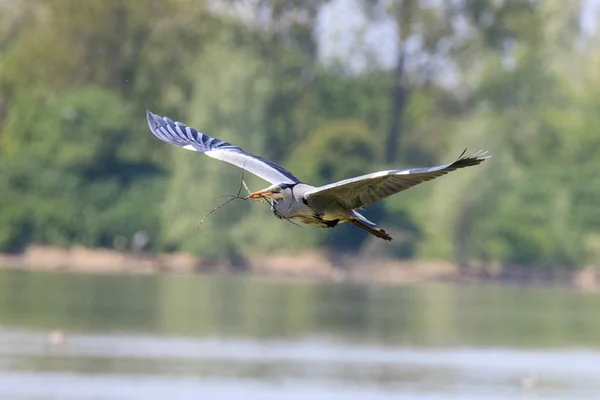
(238, 197)
(219, 206)
(242, 182)
(281, 216)
(246, 186)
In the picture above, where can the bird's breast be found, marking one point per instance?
(290, 209)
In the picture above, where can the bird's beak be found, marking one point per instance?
(261, 193)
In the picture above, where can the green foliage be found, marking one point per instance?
(228, 103)
(78, 165)
(64, 175)
(334, 151)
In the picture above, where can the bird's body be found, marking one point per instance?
(294, 205)
(291, 199)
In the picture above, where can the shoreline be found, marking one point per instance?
(311, 265)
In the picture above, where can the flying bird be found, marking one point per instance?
(324, 206)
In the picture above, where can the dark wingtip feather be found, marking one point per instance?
(471, 159)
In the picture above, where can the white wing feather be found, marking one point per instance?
(183, 136)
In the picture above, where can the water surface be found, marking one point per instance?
(190, 337)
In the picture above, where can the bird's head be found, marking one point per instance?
(276, 192)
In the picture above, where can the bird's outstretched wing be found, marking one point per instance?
(189, 138)
(363, 190)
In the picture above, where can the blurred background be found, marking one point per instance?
(330, 89)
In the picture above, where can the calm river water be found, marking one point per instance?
(69, 336)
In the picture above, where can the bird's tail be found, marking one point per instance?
(380, 233)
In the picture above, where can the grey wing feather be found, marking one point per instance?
(363, 190)
(179, 134)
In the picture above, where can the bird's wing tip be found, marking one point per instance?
(151, 118)
(483, 155)
(479, 155)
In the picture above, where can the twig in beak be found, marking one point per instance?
(216, 208)
(236, 197)
(246, 186)
(242, 182)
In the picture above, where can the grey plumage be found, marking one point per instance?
(367, 189)
(324, 206)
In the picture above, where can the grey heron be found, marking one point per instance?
(324, 206)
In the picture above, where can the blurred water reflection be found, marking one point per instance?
(146, 337)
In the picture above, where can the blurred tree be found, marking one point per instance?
(228, 101)
(74, 94)
(424, 31)
(65, 174)
(518, 77)
(283, 39)
(520, 212)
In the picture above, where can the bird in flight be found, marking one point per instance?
(324, 206)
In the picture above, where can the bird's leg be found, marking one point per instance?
(378, 232)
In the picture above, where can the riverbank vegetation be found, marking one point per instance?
(521, 79)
